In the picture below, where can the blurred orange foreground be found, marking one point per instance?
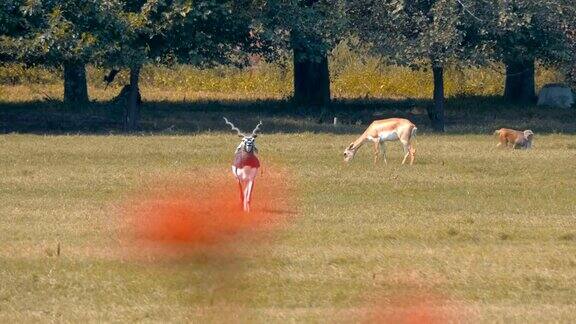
(196, 212)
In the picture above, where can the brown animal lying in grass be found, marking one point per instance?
(518, 139)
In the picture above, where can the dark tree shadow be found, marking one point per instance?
(463, 115)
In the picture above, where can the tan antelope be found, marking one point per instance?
(380, 131)
(246, 164)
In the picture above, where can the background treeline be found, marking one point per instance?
(352, 75)
(308, 50)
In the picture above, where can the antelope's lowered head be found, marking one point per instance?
(349, 153)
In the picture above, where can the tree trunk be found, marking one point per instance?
(75, 85)
(132, 110)
(311, 80)
(519, 84)
(436, 114)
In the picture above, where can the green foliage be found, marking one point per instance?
(214, 32)
(526, 29)
(311, 27)
(50, 32)
(561, 22)
(125, 33)
(413, 32)
(178, 31)
(410, 31)
(9, 17)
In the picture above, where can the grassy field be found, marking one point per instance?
(492, 231)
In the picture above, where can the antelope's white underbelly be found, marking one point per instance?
(385, 136)
(246, 173)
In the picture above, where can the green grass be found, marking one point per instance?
(493, 230)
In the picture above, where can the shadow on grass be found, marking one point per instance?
(464, 115)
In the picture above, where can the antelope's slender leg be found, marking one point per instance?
(383, 150)
(405, 157)
(412, 151)
(241, 192)
(247, 189)
(376, 151)
(406, 147)
(244, 202)
(249, 194)
(237, 176)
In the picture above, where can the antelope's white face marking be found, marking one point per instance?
(248, 144)
(349, 153)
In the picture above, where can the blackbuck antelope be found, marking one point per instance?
(246, 164)
(518, 139)
(380, 131)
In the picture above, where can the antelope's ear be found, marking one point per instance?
(351, 146)
(255, 135)
(239, 135)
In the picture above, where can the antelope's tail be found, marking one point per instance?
(413, 132)
(497, 132)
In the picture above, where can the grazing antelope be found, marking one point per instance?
(379, 131)
(246, 164)
(518, 139)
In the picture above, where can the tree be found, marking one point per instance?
(310, 58)
(418, 33)
(55, 33)
(10, 24)
(517, 42)
(310, 29)
(130, 30)
(201, 33)
(524, 31)
(559, 21)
